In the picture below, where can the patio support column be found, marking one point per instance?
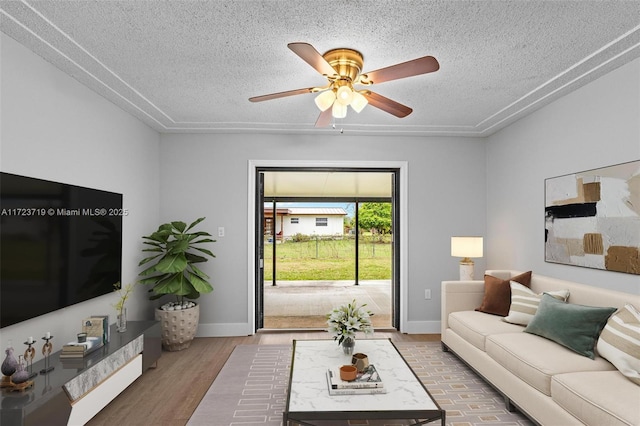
(274, 234)
(357, 245)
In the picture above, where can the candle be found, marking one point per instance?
(48, 335)
(30, 339)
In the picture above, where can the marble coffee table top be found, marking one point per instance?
(308, 389)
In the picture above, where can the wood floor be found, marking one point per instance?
(169, 393)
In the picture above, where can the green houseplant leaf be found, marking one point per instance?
(199, 284)
(170, 267)
(175, 261)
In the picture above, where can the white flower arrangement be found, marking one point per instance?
(345, 320)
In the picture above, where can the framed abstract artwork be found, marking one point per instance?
(592, 218)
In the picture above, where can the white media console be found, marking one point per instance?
(76, 390)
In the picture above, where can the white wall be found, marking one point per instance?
(56, 129)
(206, 175)
(596, 126)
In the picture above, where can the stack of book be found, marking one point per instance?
(97, 326)
(367, 382)
(74, 350)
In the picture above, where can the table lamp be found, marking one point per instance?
(466, 247)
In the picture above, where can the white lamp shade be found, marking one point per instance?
(344, 95)
(339, 110)
(466, 246)
(325, 99)
(359, 102)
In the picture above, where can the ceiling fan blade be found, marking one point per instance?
(281, 95)
(418, 66)
(311, 56)
(386, 104)
(324, 119)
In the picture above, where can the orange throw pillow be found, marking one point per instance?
(497, 293)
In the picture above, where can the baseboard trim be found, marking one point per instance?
(224, 330)
(422, 327)
(245, 329)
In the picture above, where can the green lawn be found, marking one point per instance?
(328, 260)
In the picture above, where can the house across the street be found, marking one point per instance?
(322, 221)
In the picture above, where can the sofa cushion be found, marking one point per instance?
(576, 327)
(497, 293)
(536, 360)
(619, 342)
(474, 327)
(598, 397)
(524, 303)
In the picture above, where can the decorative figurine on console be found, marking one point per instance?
(29, 355)
(14, 376)
(20, 378)
(21, 375)
(46, 351)
(9, 366)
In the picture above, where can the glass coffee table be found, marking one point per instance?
(308, 397)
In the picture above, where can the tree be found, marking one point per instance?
(375, 217)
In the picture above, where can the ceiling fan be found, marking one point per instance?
(343, 70)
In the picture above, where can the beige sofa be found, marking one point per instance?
(551, 384)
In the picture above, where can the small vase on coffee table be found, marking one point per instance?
(348, 344)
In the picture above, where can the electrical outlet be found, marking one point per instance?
(427, 293)
(220, 231)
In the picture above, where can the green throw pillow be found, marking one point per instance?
(576, 327)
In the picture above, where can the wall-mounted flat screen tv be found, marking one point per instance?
(59, 245)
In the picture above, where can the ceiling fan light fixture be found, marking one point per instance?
(325, 99)
(339, 110)
(344, 95)
(359, 101)
(342, 68)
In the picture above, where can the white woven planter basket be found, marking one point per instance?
(178, 327)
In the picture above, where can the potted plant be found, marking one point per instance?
(171, 270)
(345, 320)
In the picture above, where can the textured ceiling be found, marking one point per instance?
(190, 66)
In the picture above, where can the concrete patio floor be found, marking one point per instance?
(304, 304)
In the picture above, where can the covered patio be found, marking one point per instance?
(304, 304)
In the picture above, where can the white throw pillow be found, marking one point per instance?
(524, 303)
(619, 342)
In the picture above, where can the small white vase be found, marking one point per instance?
(121, 320)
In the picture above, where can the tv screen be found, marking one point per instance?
(59, 245)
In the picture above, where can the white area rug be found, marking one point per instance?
(251, 389)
